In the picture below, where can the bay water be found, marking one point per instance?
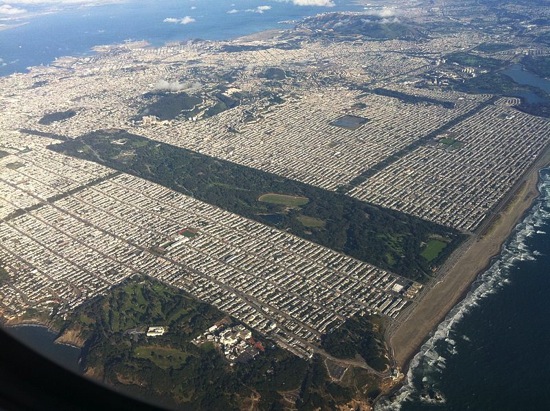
(74, 31)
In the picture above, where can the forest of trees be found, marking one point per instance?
(51, 118)
(386, 238)
(173, 371)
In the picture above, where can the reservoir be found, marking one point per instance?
(521, 76)
(41, 340)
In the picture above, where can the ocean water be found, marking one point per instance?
(42, 340)
(492, 351)
(76, 30)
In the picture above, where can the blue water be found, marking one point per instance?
(42, 340)
(76, 30)
(492, 351)
(521, 76)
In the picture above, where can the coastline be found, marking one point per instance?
(65, 338)
(44, 342)
(59, 339)
(30, 322)
(454, 278)
(463, 267)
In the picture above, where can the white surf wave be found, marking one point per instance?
(430, 361)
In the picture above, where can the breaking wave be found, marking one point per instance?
(429, 363)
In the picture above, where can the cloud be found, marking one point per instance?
(175, 87)
(382, 20)
(164, 85)
(259, 9)
(384, 12)
(393, 20)
(10, 10)
(232, 11)
(185, 20)
(318, 3)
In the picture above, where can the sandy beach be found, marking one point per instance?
(463, 267)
